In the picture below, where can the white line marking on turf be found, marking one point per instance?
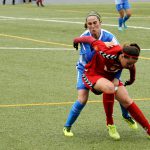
(40, 48)
(71, 22)
(46, 48)
(77, 18)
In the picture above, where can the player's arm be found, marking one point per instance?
(97, 45)
(132, 76)
(82, 39)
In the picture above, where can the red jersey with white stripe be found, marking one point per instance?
(104, 62)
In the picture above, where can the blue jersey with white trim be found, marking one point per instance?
(86, 52)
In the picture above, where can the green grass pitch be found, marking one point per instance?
(38, 78)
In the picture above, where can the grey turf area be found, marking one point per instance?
(72, 1)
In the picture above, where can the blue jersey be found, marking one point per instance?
(86, 54)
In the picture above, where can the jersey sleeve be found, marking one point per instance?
(114, 40)
(101, 47)
(132, 74)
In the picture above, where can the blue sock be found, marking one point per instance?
(120, 21)
(125, 18)
(125, 113)
(74, 113)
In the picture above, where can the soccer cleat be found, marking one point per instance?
(67, 131)
(132, 124)
(113, 132)
(120, 29)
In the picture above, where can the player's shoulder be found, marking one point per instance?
(86, 33)
(106, 36)
(106, 32)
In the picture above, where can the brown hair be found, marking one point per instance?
(92, 13)
(132, 50)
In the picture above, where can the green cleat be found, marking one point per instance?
(132, 124)
(113, 132)
(67, 131)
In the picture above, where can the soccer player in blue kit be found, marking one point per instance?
(93, 26)
(123, 7)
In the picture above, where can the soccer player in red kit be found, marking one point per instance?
(39, 2)
(93, 28)
(100, 72)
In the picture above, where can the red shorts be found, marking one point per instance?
(90, 81)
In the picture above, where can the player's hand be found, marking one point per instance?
(109, 44)
(128, 83)
(75, 45)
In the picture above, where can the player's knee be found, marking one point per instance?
(82, 99)
(109, 89)
(83, 96)
(126, 102)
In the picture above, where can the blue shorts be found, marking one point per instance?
(80, 84)
(124, 6)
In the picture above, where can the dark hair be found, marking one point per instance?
(92, 13)
(132, 50)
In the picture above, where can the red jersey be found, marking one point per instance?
(104, 62)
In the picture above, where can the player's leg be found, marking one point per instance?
(13, 2)
(132, 124)
(77, 107)
(41, 3)
(127, 8)
(119, 8)
(123, 97)
(4, 2)
(130, 121)
(108, 102)
(37, 2)
(75, 111)
(102, 84)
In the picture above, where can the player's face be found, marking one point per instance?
(127, 62)
(94, 26)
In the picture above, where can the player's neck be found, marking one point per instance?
(96, 36)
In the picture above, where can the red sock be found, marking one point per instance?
(108, 102)
(137, 114)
